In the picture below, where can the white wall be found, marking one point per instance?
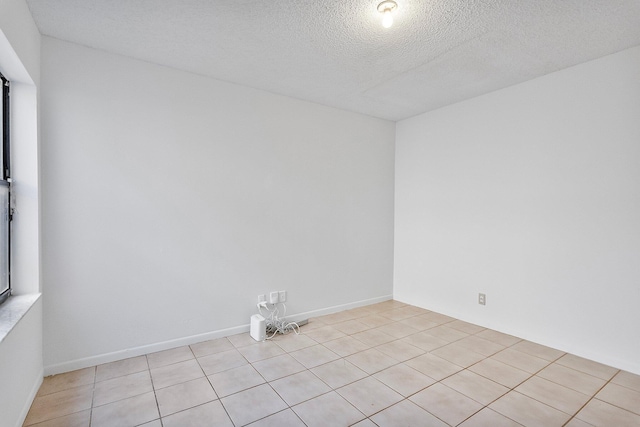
(21, 350)
(170, 201)
(531, 195)
(21, 367)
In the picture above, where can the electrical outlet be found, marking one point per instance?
(482, 299)
(283, 296)
(273, 297)
(262, 298)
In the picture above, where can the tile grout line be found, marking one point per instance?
(398, 362)
(212, 387)
(153, 387)
(309, 370)
(404, 398)
(591, 398)
(510, 389)
(93, 394)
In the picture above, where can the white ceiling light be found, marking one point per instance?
(386, 7)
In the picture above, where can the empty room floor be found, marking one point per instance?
(387, 364)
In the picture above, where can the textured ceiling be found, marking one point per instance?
(337, 53)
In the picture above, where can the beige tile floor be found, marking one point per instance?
(388, 364)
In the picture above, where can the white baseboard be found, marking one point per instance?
(337, 308)
(86, 362)
(139, 351)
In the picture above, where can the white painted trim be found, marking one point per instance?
(32, 395)
(139, 351)
(193, 339)
(337, 308)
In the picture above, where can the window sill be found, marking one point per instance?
(13, 310)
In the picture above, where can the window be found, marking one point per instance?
(5, 204)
